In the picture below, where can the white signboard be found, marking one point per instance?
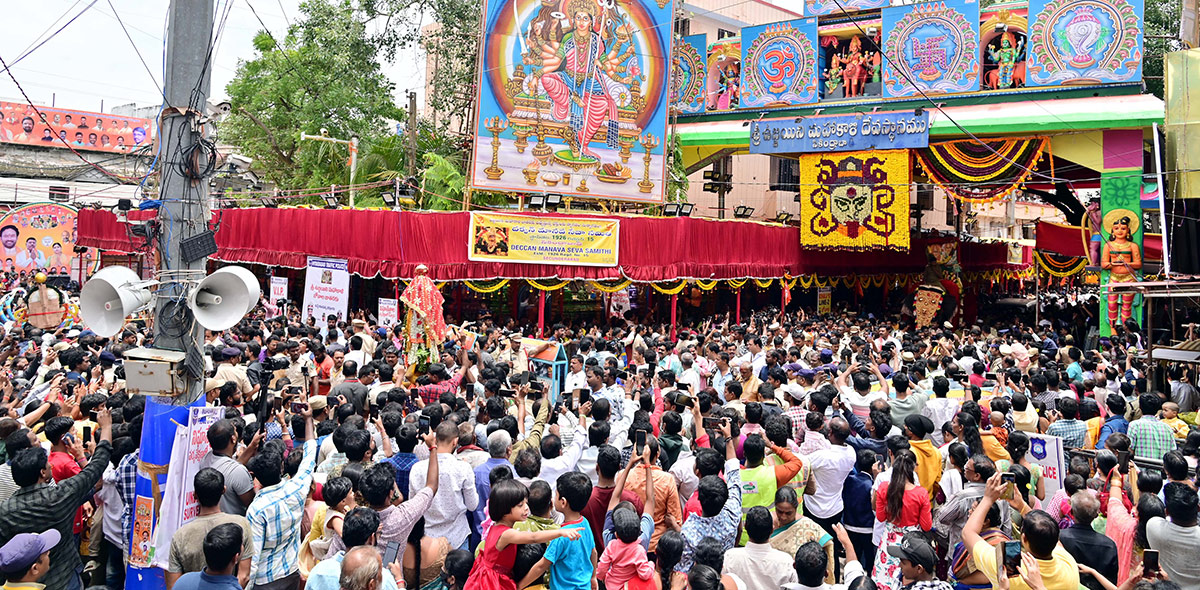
(279, 289)
(188, 454)
(389, 312)
(1047, 451)
(326, 288)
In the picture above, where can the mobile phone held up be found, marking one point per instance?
(1008, 556)
(391, 552)
(640, 442)
(1010, 484)
(1150, 564)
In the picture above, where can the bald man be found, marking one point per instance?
(362, 569)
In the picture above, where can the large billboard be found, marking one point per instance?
(573, 98)
(82, 130)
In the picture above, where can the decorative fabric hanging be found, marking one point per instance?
(763, 284)
(484, 287)
(737, 283)
(986, 170)
(1057, 265)
(620, 285)
(707, 285)
(540, 287)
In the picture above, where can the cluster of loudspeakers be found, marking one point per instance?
(114, 293)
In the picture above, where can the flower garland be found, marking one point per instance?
(982, 173)
(540, 287)
(606, 288)
(1060, 266)
(482, 287)
(675, 290)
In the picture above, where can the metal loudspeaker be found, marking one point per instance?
(224, 297)
(109, 296)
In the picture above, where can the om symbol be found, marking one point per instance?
(778, 65)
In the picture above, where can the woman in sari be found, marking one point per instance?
(962, 565)
(793, 529)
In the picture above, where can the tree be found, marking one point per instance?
(1161, 37)
(324, 74)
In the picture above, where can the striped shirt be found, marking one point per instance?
(1149, 438)
(127, 488)
(1072, 431)
(275, 516)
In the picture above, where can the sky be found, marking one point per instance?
(91, 64)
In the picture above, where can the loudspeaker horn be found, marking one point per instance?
(111, 295)
(224, 297)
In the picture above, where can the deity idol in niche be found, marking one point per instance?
(854, 68)
(576, 81)
(1122, 258)
(1006, 59)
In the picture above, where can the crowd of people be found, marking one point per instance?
(788, 451)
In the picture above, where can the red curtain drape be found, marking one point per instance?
(391, 244)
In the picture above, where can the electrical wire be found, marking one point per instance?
(30, 51)
(138, 52)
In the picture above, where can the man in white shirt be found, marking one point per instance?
(357, 353)
(575, 378)
(830, 468)
(758, 563)
(689, 378)
(456, 494)
(811, 563)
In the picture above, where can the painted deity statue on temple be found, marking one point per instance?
(1122, 258)
(577, 81)
(1006, 59)
(853, 67)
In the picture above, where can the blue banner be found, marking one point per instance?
(838, 133)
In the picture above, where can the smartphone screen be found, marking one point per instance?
(1012, 558)
(391, 552)
(298, 407)
(712, 423)
(87, 434)
(1123, 457)
(1149, 563)
(640, 442)
(423, 424)
(1010, 484)
(278, 404)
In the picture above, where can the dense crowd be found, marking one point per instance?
(788, 451)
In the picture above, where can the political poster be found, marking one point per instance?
(541, 239)
(1047, 451)
(326, 288)
(188, 454)
(80, 130)
(389, 312)
(39, 237)
(573, 98)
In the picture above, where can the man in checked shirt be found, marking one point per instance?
(276, 512)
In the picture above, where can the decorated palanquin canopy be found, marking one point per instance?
(982, 171)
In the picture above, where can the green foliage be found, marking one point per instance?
(677, 180)
(324, 74)
(1161, 20)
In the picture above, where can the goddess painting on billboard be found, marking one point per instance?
(586, 79)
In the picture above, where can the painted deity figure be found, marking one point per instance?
(728, 93)
(575, 80)
(1122, 258)
(854, 67)
(1006, 58)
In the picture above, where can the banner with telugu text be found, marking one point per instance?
(538, 239)
(326, 288)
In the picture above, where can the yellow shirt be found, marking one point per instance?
(1177, 425)
(1060, 572)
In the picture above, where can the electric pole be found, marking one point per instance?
(186, 159)
(412, 133)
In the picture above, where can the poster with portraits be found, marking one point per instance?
(82, 130)
(41, 237)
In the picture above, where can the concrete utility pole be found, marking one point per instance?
(184, 211)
